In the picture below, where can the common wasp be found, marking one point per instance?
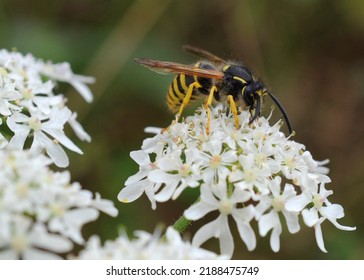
(213, 78)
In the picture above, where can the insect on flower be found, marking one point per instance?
(214, 78)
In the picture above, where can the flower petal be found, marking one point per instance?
(310, 217)
(198, 210)
(18, 140)
(292, 221)
(218, 228)
(140, 157)
(136, 177)
(52, 242)
(83, 90)
(267, 222)
(132, 191)
(159, 176)
(61, 137)
(274, 238)
(54, 150)
(319, 237)
(166, 192)
(247, 235)
(297, 203)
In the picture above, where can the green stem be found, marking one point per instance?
(182, 224)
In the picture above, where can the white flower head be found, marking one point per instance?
(42, 127)
(176, 175)
(32, 107)
(41, 212)
(137, 184)
(253, 171)
(217, 198)
(32, 241)
(316, 208)
(272, 205)
(63, 72)
(145, 246)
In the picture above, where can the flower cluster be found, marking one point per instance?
(41, 211)
(30, 107)
(251, 173)
(145, 246)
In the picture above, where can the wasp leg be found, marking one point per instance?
(207, 107)
(187, 98)
(234, 110)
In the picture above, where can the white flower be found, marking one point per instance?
(63, 72)
(71, 222)
(232, 166)
(104, 205)
(39, 206)
(252, 175)
(27, 70)
(8, 93)
(32, 241)
(176, 174)
(216, 198)
(268, 209)
(78, 129)
(316, 208)
(37, 95)
(184, 250)
(145, 246)
(30, 103)
(215, 161)
(137, 184)
(42, 126)
(66, 210)
(264, 153)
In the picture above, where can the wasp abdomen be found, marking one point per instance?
(181, 83)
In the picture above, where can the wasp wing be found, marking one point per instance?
(166, 67)
(204, 54)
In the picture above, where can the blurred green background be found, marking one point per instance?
(309, 52)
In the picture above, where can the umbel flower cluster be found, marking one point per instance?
(145, 246)
(31, 108)
(41, 211)
(251, 174)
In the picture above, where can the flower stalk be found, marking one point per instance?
(182, 224)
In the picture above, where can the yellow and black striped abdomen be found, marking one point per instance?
(181, 83)
(178, 90)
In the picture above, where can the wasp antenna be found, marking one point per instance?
(284, 113)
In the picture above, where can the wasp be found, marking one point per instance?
(213, 78)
